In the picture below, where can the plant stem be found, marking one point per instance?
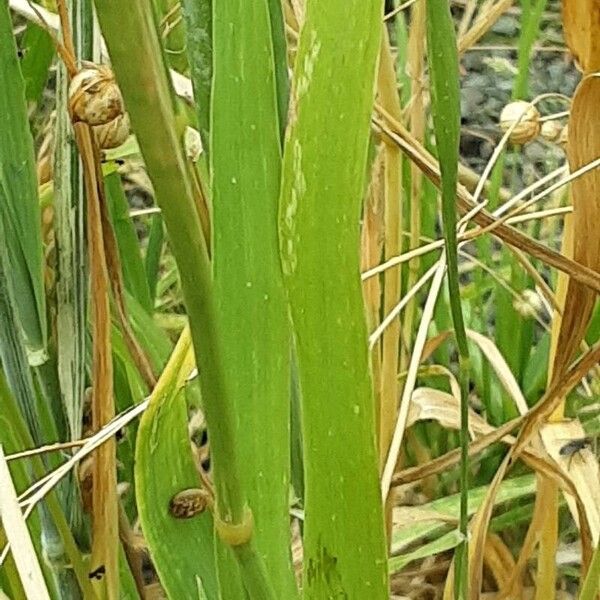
(443, 64)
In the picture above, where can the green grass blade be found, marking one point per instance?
(134, 275)
(153, 253)
(19, 204)
(37, 50)
(282, 83)
(445, 103)
(322, 189)
(248, 281)
(591, 584)
(172, 32)
(198, 20)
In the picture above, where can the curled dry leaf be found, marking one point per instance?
(428, 404)
(583, 147)
(495, 358)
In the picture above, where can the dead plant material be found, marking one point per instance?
(484, 22)
(581, 23)
(583, 147)
(104, 466)
(395, 131)
(566, 443)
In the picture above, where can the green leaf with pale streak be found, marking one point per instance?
(182, 549)
(323, 183)
(246, 166)
(19, 204)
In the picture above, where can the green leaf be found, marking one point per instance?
(134, 275)
(282, 83)
(198, 19)
(252, 309)
(164, 466)
(153, 254)
(445, 105)
(19, 203)
(323, 182)
(37, 51)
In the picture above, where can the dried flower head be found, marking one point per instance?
(525, 120)
(94, 96)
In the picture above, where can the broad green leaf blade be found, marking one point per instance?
(163, 467)
(149, 100)
(323, 184)
(252, 309)
(19, 204)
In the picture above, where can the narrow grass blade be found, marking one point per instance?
(443, 67)
(153, 254)
(248, 281)
(591, 584)
(134, 276)
(19, 205)
(198, 20)
(323, 184)
(282, 83)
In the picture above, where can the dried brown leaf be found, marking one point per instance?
(581, 20)
(583, 147)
